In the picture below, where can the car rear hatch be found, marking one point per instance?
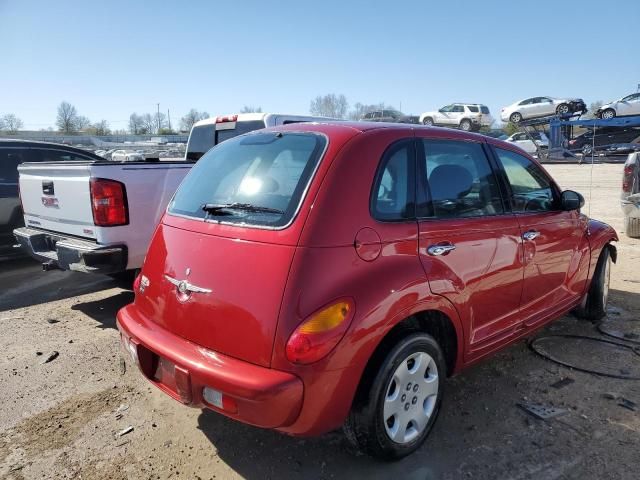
(56, 197)
(217, 267)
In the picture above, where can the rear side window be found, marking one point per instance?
(10, 158)
(473, 108)
(255, 180)
(241, 128)
(205, 137)
(484, 109)
(393, 190)
(47, 155)
(531, 189)
(459, 181)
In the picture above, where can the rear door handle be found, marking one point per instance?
(531, 235)
(440, 249)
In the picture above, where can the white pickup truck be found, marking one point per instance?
(99, 216)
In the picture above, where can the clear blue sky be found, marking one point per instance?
(111, 58)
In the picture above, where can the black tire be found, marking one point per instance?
(366, 427)
(428, 121)
(515, 117)
(595, 307)
(608, 114)
(466, 125)
(563, 109)
(632, 227)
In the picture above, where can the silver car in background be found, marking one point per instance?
(630, 196)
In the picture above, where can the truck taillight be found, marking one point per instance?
(109, 203)
(227, 118)
(627, 178)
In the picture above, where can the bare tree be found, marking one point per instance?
(135, 123)
(360, 109)
(82, 123)
(67, 119)
(192, 116)
(330, 105)
(593, 108)
(101, 128)
(250, 109)
(149, 123)
(11, 123)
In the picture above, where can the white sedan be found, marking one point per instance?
(127, 156)
(529, 143)
(629, 105)
(536, 107)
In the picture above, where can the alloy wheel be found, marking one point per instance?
(411, 397)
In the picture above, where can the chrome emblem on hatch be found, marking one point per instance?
(184, 288)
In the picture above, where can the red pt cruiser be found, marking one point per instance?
(313, 276)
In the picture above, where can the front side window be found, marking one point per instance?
(256, 180)
(459, 181)
(528, 101)
(392, 194)
(447, 108)
(632, 97)
(531, 189)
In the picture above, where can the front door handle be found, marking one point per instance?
(531, 235)
(440, 249)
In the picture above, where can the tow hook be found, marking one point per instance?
(50, 265)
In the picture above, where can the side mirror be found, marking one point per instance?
(571, 200)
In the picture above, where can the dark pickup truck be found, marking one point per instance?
(13, 153)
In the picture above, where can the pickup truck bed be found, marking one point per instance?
(58, 206)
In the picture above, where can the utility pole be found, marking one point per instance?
(169, 118)
(158, 121)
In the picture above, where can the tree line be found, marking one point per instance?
(337, 106)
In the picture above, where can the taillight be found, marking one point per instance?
(109, 203)
(320, 333)
(572, 141)
(627, 178)
(227, 118)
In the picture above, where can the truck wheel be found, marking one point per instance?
(515, 117)
(465, 125)
(393, 417)
(595, 307)
(428, 121)
(632, 227)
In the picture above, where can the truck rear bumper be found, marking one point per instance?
(68, 253)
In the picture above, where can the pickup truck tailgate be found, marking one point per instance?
(56, 197)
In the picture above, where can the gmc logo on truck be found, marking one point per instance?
(50, 202)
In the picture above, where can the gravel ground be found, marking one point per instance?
(66, 418)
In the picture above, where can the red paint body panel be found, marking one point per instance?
(494, 287)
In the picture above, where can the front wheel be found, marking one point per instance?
(586, 149)
(595, 307)
(515, 117)
(562, 109)
(393, 417)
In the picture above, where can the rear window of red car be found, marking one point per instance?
(254, 180)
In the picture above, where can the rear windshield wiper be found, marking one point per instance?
(223, 208)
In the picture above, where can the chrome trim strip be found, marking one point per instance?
(59, 220)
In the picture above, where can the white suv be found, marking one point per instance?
(466, 116)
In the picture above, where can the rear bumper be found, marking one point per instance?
(67, 253)
(251, 394)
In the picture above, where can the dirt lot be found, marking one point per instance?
(60, 419)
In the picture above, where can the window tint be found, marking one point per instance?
(47, 155)
(629, 98)
(393, 188)
(457, 109)
(9, 160)
(265, 170)
(530, 187)
(459, 179)
(528, 101)
(473, 108)
(484, 109)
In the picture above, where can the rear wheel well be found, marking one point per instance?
(431, 322)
